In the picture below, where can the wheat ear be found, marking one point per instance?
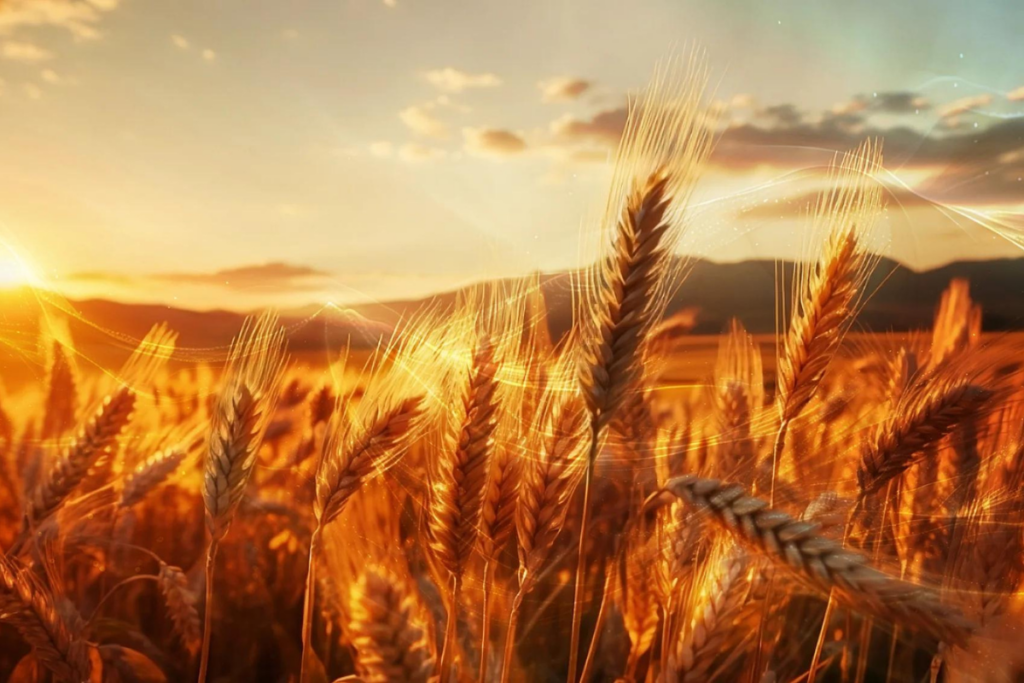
(710, 622)
(352, 454)
(93, 443)
(149, 474)
(828, 292)
(240, 418)
(390, 636)
(923, 419)
(549, 479)
(820, 561)
(181, 603)
(29, 608)
(458, 486)
(62, 395)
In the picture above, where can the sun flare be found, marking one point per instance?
(14, 270)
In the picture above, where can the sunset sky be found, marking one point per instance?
(237, 153)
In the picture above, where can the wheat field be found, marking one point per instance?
(478, 501)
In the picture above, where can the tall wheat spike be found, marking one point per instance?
(555, 467)
(827, 292)
(243, 410)
(662, 150)
(459, 484)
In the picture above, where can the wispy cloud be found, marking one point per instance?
(964, 105)
(563, 88)
(24, 51)
(276, 276)
(180, 42)
(455, 81)
(493, 142)
(79, 17)
(415, 152)
(421, 120)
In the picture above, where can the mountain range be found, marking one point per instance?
(899, 300)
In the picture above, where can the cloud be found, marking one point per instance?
(23, 51)
(901, 102)
(33, 91)
(275, 275)
(1016, 95)
(563, 88)
(78, 17)
(454, 80)
(895, 102)
(493, 142)
(605, 126)
(180, 42)
(51, 77)
(803, 204)
(414, 152)
(964, 105)
(209, 55)
(382, 149)
(421, 121)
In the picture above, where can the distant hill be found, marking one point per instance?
(903, 300)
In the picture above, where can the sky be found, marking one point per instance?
(241, 153)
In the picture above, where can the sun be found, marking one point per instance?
(14, 270)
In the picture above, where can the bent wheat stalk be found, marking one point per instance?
(820, 561)
(354, 451)
(29, 608)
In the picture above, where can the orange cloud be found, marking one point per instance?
(964, 105)
(563, 88)
(493, 142)
(277, 276)
(79, 17)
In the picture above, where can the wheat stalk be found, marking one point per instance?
(149, 474)
(820, 561)
(181, 603)
(388, 631)
(92, 444)
(923, 419)
(828, 292)
(710, 624)
(662, 150)
(549, 479)
(458, 486)
(62, 395)
(30, 608)
(239, 421)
